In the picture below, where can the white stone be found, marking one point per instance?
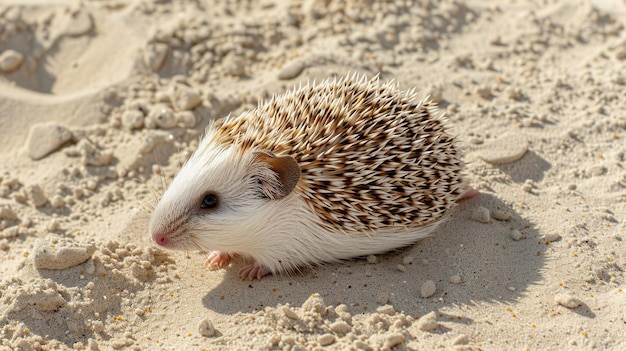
(206, 328)
(456, 279)
(340, 327)
(55, 252)
(428, 289)
(10, 60)
(289, 313)
(291, 70)
(154, 56)
(46, 138)
(132, 119)
(6, 213)
(36, 195)
(185, 98)
(567, 300)
(92, 156)
(57, 201)
(516, 235)
(428, 322)
(162, 116)
(186, 119)
(326, 339)
(315, 304)
(481, 214)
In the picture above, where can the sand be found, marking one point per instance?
(102, 100)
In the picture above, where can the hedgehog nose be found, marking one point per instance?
(160, 239)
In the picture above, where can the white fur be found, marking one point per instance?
(281, 235)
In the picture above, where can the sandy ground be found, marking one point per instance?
(102, 100)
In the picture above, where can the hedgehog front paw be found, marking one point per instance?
(254, 271)
(217, 260)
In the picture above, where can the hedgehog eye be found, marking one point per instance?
(209, 201)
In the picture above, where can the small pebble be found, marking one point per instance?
(515, 93)
(46, 138)
(528, 186)
(501, 215)
(36, 195)
(289, 313)
(461, 339)
(567, 300)
(481, 214)
(455, 279)
(20, 197)
(595, 171)
(516, 235)
(206, 329)
(372, 259)
(10, 60)
(155, 55)
(484, 92)
(343, 313)
(340, 327)
(401, 268)
(185, 98)
(551, 237)
(163, 96)
(510, 147)
(78, 193)
(236, 67)
(291, 70)
(326, 339)
(161, 116)
(6, 213)
(571, 187)
(12, 183)
(54, 225)
(392, 340)
(315, 304)
(10, 232)
(428, 322)
(132, 119)
(92, 156)
(428, 289)
(57, 201)
(186, 119)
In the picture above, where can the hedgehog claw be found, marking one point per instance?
(217, 260)
(254, 271)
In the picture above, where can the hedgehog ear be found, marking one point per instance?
(288, 173)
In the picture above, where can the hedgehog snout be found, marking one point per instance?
(161, 239)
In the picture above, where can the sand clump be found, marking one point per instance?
(93, 128)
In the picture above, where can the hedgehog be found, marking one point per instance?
(322, 173)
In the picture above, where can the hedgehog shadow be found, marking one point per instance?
(530, 166)
(491, 266)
